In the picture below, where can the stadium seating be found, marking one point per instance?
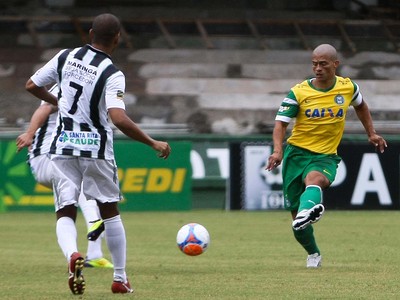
(208, 71)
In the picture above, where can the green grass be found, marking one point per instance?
(253, 255)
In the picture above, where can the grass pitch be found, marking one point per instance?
(253, 255)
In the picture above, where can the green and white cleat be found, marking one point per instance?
(99, 263)
(95, 230)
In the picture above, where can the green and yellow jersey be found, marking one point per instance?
(320, 114)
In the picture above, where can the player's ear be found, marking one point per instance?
(91, 33)
(116, 39)
(336, 63)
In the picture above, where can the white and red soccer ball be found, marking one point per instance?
(193, 239)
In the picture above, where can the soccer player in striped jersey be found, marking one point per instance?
(91, 92)
(38, 138)
(319, 106)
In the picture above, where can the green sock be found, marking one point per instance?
(306, 238)
(310, 197)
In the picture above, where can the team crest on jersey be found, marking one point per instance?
(339, 99)
(120, 94)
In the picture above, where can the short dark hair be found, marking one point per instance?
(105, 27)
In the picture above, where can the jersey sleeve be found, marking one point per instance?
(357, 96)
(48, 73)
(115, 91)
(288, 109)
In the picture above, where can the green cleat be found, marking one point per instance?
(99, 263)
(95, 230)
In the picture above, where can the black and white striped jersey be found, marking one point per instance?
(89, 85)
(43, 135)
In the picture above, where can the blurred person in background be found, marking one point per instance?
(38, 138)
(91, 92)
(319, 106)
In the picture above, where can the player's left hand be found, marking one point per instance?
(378, 142)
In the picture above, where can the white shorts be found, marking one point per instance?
(42, 170)
(97, 177)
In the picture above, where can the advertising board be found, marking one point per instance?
(365, 178)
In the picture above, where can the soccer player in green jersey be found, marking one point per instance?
(319, 106)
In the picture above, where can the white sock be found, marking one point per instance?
(66, 236)
(116, 242)
(90, 212)
(89, 209)
(94, 250)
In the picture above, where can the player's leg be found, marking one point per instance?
(319, 173)
(94, 254)
(311, 196)
(116, 242)
(306, 239)
(91, 214)
(66, 187)
(310, 209)
(108, 195)
(293, 187)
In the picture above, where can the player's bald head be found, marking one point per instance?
(326, 50)
(105, 27)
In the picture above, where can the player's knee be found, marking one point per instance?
(69, 211)
(108, 210)
(317, 178)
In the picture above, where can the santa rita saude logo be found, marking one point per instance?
(79, 138)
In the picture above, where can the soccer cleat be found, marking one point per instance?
(120, 287)
(99, 263)
(76, 281)
(95, 230)
(314, 260)
(307, 217)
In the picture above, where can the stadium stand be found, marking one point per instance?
(210, 69)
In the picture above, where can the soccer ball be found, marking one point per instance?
(193, 239)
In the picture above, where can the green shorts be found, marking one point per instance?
(297, 163)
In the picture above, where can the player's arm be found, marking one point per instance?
(129, 128)
(288, 110)
(278, 136)
(37, 120)
(364, 114)
(40, 92)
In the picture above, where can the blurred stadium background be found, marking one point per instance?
(208, 70)
(206, 66)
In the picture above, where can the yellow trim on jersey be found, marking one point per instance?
(321, 115)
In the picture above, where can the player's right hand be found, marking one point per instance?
(23, 140)
(274, 161)
(162, 148)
